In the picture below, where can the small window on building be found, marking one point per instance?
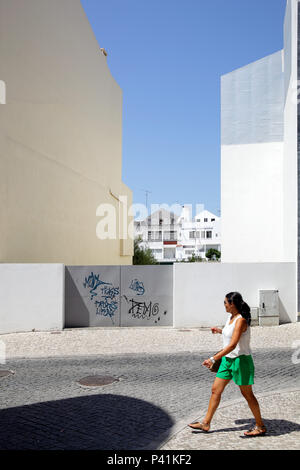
(205, 220)
(212, 220)
(209, 234)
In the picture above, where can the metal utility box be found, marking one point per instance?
(268, 308)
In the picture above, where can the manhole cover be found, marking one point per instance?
(4, 373)
(97, 380)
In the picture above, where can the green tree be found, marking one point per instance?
(141, 255)
(212, 253)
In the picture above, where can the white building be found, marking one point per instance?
(259, 155)
(198, 235)
(159, 232)
(174, 238)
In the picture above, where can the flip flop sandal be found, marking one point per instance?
(257, 431)
(198, 426)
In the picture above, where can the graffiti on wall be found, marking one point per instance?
(137, 286)
(92, 282)
(143, 310)
(107, 301)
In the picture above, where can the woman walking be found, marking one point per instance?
(237, 363)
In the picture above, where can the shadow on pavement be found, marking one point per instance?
(275, 427)
(102, 422)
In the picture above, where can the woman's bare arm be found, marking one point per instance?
(239, 328)
(215, 330)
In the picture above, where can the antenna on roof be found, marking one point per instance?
(146, 191)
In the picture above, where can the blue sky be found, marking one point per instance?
(168, 57)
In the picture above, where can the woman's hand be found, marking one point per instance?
(207, 363)
(215, 330)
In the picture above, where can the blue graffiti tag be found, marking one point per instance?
(93, 282)
(110, 292)
(137, 286)
(108, 303)
(106, 307)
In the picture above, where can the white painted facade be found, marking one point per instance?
(259, 160)
(159, 232)
(290, 165)
(259, 164)
(175, 238)
(197, 236)
(252, 208)
(252, 162)
(36, 302)
(200, 288)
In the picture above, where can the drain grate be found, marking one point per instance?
(5, 373)
(97, 380)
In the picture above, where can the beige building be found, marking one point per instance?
(60, 138)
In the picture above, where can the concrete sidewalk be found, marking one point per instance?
(151, 340)
(280, 411)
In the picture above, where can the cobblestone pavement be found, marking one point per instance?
(280, 411)
(44, 407)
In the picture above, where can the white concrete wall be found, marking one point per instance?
(31, 297)
(200, 289)
(252, 202)
(290, 173)
(252, 151)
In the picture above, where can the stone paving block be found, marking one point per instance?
(280, 413)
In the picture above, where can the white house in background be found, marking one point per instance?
(174, 238)
(159, 232)
(198, 235)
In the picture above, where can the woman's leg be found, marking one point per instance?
(216, 392)
(252, 402)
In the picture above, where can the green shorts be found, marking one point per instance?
(240, 369)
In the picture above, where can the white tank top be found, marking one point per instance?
(243, 346)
